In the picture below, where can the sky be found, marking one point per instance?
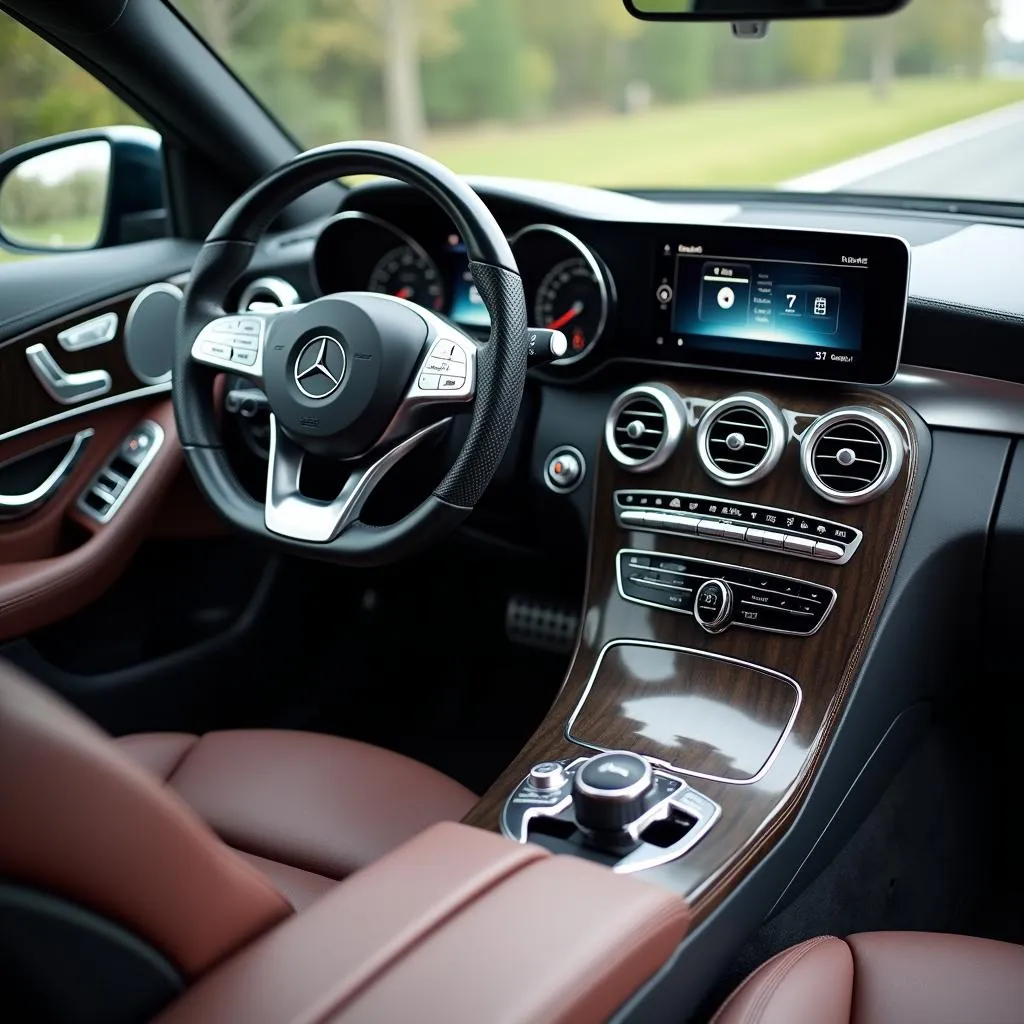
(1011, 19)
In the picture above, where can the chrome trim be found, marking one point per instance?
(603, 281)
(65, 388)
(701, 654)
(893, 442)
(566, 449)
(78, 410)
(288, 513)
(14, 505)
(319, 366)
(96, 331)
(721, 620)
(284, 293)
(160, 286)
(961, 401)
(777, 438)
(621, 511)
(675, 426)
(633, 790)
(157, 433)
(703, 561)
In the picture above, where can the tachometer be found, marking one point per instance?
(572, 300)
(409, 274)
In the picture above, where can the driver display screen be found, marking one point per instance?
(467, 306)
(823, 305)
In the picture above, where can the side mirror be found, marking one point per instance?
(83, 190)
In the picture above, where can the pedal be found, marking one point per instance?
(541, 624)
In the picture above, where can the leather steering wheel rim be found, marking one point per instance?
(500, 367)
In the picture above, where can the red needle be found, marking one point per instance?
(404, 293)
(570, 314)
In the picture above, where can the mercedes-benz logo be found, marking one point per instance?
(320, 367)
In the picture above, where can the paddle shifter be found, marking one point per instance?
(616, 808)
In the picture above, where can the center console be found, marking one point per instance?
(742, 544)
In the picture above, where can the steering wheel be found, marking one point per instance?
(360, 377)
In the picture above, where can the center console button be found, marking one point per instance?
(829, 552)
(548, 776)
(711, 528)
(610, 790)
(773, 539)
(730, 531)
(799, 545)
(712, 605)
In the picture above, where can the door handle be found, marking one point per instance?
(13, 505)
(66, 388)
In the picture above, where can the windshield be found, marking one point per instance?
(922, 103)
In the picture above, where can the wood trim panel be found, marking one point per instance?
(23, 401)
(824, 665)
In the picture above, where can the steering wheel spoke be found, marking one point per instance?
(290, 513)
(234, 343)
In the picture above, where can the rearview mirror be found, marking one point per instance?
(83, 190)
(58, 199)
(757, 10)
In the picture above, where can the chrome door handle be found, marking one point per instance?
(66, 388)
(13, 505)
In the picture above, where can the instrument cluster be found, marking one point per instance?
(568, 287)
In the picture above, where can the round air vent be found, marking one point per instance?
(644, 426)
(740, 439)
(851, 455)
(267, 293)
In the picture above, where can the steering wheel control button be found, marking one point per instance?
(712, 605)
(449, 382)
(564, 469)
(216, 350)
(244, 357)
(245, 341)
(610, 790)
(548, 776)
(429, 381)
(247, 325)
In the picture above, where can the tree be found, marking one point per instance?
(221, 21)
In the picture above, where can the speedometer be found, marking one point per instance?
(572, 300)
(409, 274)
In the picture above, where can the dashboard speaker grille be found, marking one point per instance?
(851, 455)
(644, 426)
(740, 439)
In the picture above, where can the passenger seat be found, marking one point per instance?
(884, 978)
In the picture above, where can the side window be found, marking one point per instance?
(78, 168)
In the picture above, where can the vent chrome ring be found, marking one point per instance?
(736, 441)
(893, 444)
(671, 408)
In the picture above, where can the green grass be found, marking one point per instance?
(71, 233)
(750, 140)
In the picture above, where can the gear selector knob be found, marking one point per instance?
(610, 790)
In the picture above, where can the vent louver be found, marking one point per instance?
(740, 439)
(851, 455)
(644, 426)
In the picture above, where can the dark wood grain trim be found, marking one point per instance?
(25, 405)
(824, 665)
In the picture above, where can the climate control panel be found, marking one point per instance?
(719, 596)
(737, 522)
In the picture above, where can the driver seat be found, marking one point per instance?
(195, 844)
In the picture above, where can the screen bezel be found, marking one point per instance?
(885, 297)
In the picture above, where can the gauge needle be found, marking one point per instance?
(571, 313)
(404, 293)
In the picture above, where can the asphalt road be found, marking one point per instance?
(982, 158)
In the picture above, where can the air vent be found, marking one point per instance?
(851, 455)
(740, 439)
(644, 426)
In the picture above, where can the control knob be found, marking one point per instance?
(611, 790)
(712, 605)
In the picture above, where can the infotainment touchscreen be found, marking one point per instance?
(822, 305)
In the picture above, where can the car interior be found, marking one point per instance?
(471, 598)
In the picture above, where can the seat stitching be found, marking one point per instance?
(773, 978)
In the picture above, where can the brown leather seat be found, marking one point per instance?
(884, 978)
(304, 809)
